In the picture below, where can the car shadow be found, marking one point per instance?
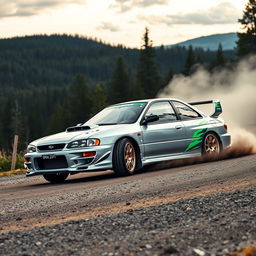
(108, 175)
(92, 178)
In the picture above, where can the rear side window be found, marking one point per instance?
(185, 112)
(164, 110)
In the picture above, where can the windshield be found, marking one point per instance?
(118, 114)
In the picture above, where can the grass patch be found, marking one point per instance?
(6, 161)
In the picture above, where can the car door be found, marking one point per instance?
(165, 136)
(194, 126)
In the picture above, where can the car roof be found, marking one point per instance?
(146, 100)
(157, 100)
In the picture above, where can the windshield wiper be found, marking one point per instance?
(106, 123)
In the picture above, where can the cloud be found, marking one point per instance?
(223, 13)
(126, 5)
(32, 7)
(108, 26)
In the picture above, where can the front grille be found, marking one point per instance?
(59, 162)
(51, 147)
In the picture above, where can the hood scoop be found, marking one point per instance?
(78, 128)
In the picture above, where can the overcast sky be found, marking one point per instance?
(121, 21)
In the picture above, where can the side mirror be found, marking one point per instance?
(79, 124)
(150, 119)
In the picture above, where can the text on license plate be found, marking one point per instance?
(49, 156)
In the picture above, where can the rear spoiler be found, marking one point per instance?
(216, 105)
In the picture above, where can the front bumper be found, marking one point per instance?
(72, 160)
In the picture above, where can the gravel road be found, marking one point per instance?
(202, 209)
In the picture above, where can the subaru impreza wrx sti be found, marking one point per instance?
(127, 136)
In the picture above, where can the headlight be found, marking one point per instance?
(31, 149)
(84, 143)
(93, 142)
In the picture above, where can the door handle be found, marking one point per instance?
(178, 126)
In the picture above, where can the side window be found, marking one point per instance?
(164, 110)
(185, 112)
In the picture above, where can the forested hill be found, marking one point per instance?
(53, 61)
(50, 82)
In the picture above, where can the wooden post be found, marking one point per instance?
(14, 151)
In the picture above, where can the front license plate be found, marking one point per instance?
(49, 157)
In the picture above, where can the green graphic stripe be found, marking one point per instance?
(198, 138)
(198, 134)
(193, 144)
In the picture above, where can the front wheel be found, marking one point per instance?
(211, 145)
(125, 158)
(56, 177)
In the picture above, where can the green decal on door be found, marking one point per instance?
(197, 138)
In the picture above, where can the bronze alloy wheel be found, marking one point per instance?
(129, 157)
(211, 144)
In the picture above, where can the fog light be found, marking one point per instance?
(89, 154)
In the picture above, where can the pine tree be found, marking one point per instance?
(18, 125)
(169, 76)
(6, 127)
(99, 99)
(58, 121)
(119, 85)
(36, 121)
(219, 60)
(76, 107)
(136, 92)
(79, 102)
(16, 118)
(246, 43)
(190, 61)
(199, 60)
(149, 81)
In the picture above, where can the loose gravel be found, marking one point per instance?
(34, 198)
(17, 179)
(210, 225)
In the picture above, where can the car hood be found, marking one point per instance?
(66, 137)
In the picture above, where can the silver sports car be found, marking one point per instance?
(127, 136)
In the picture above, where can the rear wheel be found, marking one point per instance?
(125, 157)
(56, 177)
(211, 145)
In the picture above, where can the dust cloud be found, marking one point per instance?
(236, 89)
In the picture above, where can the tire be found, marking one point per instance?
(125, 157)
(211, 145)
(56, 177)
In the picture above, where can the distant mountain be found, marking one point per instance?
(211, 42)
